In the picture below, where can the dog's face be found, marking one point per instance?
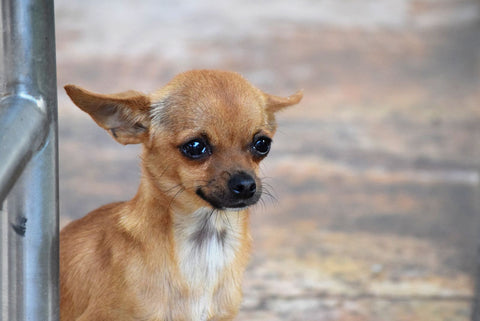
(204, 133)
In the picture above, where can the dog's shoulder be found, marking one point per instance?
(98, 216)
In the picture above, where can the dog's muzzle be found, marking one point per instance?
(239, 191)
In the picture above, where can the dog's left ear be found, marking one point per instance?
(124, 115)
(276, 103)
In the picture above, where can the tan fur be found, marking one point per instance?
(167, 254)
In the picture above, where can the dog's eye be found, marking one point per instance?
(261, 146)
(196, 149)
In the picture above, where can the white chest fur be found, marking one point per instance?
(207, 241)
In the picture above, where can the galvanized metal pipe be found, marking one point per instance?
(28, 162)
(23, 125)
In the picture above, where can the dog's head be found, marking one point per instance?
(204, 134)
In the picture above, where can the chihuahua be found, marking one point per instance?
(177, 250)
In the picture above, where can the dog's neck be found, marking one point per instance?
(206, 241)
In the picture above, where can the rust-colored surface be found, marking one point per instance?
(376, 173)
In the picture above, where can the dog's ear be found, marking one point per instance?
(124, 115)
(276, 103)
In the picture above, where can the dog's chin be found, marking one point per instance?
(228, 204)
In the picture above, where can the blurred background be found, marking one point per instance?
(376, 172)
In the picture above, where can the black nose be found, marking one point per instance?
(242, 185)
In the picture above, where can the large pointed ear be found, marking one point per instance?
(276, 103)
(124, 115)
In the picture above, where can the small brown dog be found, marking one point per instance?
(176, 251)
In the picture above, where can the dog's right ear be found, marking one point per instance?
(124, 115)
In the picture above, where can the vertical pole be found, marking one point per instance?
(33, 241)
(29, 217)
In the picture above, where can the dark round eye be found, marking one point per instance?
(196, 149)
(261, 146)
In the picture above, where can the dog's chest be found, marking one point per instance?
(207, 243)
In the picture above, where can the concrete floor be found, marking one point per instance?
(376, 172)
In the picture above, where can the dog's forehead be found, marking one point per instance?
(218, 116)
(212, 99)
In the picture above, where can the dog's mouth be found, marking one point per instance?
(241, 191)
(220, 202)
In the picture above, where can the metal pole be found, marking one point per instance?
(28, 162)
